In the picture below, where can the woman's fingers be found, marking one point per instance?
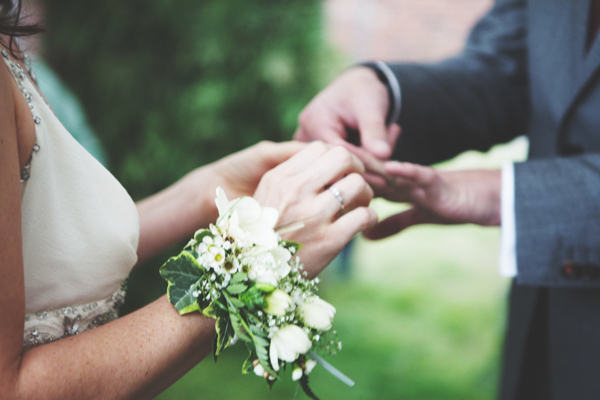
(345, 195)
(305, 157)
(328, 240)
(353, 222)
(330, 167)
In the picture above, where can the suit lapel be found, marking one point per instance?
(584, 63)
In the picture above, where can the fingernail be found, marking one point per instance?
(381, 148)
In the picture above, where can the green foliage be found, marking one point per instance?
(182, 274)
(173, 85)
(225, 333)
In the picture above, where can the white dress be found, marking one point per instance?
(80, 231)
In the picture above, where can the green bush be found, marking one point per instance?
(172, 85)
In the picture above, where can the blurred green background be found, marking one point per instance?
(168, 86)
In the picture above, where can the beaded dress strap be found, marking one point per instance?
(20, 77)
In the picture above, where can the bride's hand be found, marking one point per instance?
(239, 173)
(299, 189)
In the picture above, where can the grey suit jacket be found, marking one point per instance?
(526, 69)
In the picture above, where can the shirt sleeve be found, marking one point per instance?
(508, 240)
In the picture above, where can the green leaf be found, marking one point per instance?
(264, 287)
(238, 277)
(199, 235)
(213, 309)
(247, 365)
(237, 303)
(263, 357)
(224, 333)
(236, 288)
(307, 390)
(288, 244)
(238, 328)
(182, 274)
(253, 298)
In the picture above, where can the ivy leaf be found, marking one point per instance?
(236, 288)
(182, 274)
(224, 333)
(199, 235)
(212, 311)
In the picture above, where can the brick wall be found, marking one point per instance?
(407, 30)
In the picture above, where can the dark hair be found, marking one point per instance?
(10, 16)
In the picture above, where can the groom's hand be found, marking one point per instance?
(439, 197)
(356, 102)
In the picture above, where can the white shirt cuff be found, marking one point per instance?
(508, 238)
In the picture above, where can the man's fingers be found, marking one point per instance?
(393, 132)
(394, 224)
(373, 134)
(419, 174)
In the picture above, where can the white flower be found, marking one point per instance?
(316, 313)
(287, 343)
(259, 370)
(308, 367)
(246, 221)
(297, 373)
(268, 266)
(278, 302)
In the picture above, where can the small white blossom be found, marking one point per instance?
(277, 302)
(297, 373)
(316, 313)
(259, 370)
(308, 367)
(287, 343)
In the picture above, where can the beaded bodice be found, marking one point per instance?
(80, 230)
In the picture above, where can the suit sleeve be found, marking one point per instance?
(557, 208)
(473, 101)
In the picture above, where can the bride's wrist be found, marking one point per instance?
(198, 189)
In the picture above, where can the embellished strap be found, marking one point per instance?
(20, 77)
(47, 326)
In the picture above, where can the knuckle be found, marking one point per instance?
(367, 217)
(265, 146)
(318, 147)
(343, 155)
(356, 180)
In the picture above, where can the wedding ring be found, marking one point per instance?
(338, 195)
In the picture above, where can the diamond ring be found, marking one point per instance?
(338, 195)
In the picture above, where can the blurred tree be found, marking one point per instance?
(173, 85)
(169, 86)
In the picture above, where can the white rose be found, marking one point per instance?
(248, 222)
(287, 343)
(278, 302)
(316, 313)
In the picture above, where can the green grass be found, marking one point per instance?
(421, 317)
